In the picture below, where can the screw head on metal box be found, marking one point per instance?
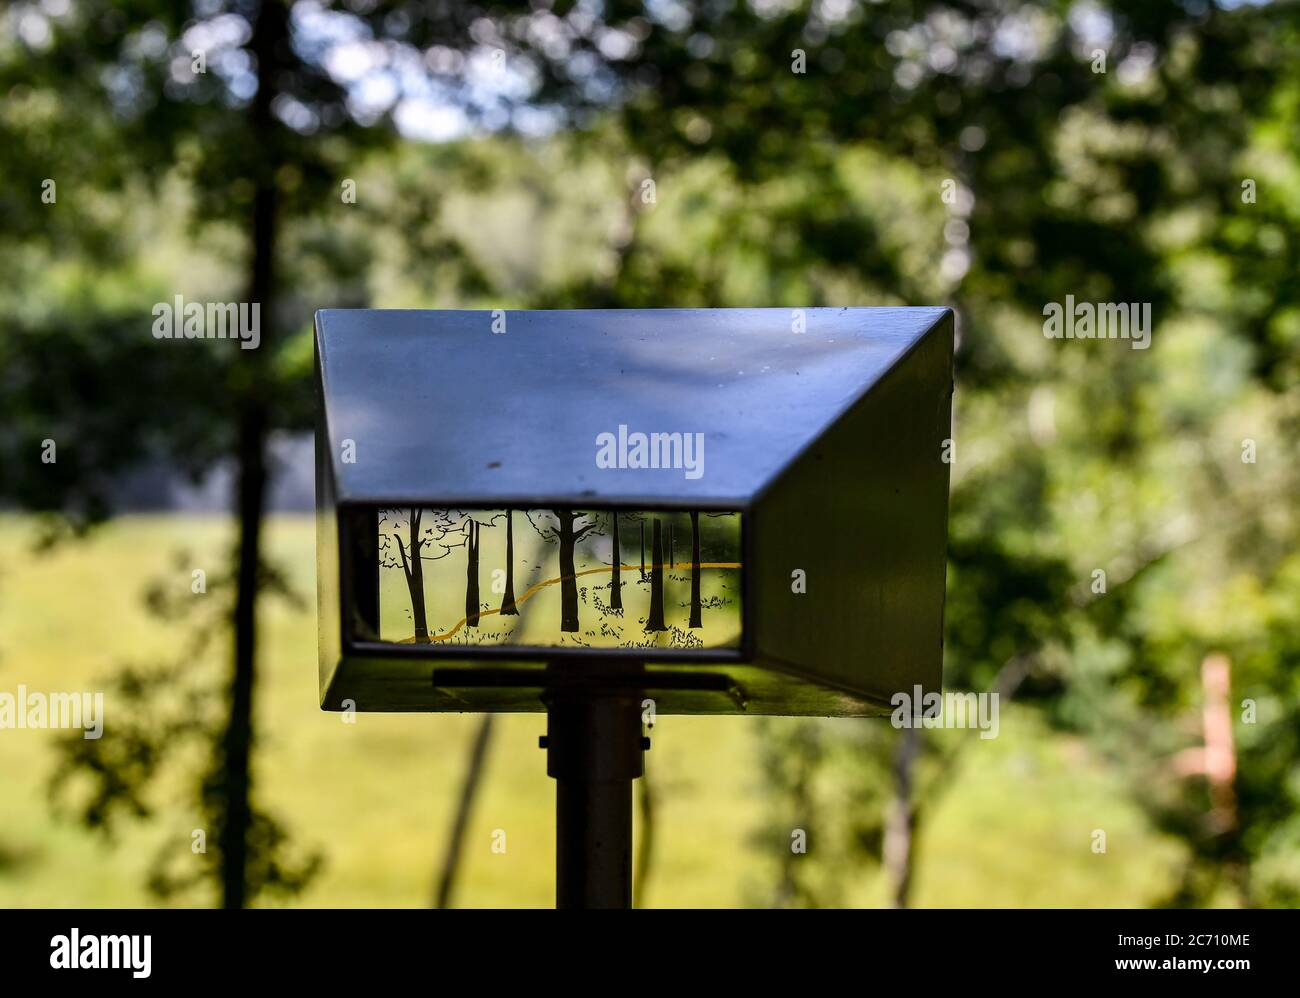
(725, 510)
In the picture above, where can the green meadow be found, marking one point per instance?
(375, 797)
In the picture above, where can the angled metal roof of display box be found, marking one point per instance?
(823, 428)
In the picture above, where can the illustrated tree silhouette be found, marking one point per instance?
(696, 610)
(508, 608)
(639, 540)
(565, 527)
(468, 524)
(471, 574)
(616, 567)
(425, 535)
(411, 562)
(655, 619)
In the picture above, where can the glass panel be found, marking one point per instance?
(560, 578)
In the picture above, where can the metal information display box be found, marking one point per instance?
(720, 511)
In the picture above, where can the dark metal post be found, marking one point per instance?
(594, 750)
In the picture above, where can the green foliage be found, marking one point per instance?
(167, 720)
(772, 187)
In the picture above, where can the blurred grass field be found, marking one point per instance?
(375, 797)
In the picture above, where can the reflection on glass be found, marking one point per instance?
(560, 578)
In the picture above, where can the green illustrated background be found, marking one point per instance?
(537, 582)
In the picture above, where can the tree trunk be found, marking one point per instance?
(900, 825)
(464, 807)
(672, 548)
(415, 580)
(508, 608)
(645, 839)
(696, 610)
(615, 581)
(471, 578)
(252, 401)
(643, 550)
(655, 622)
(568, 580)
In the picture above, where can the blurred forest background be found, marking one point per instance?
(1124, 566)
